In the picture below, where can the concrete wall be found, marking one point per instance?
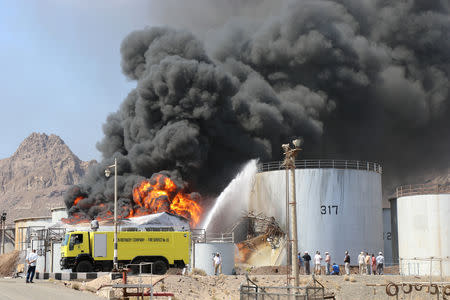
(423, 232)
(337, 209)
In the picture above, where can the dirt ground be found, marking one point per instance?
(227, 286)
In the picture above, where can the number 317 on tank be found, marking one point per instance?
(329, 209)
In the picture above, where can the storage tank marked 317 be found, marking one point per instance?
(339, 204)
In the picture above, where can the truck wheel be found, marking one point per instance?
(159, 267)
(84, 266)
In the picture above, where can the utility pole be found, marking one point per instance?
(289, 163)
(107, 174)
(3, 221)
(288, 233)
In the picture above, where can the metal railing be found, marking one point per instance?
(429, 266)
(202, 236)
(138, 268)
(422, 189)
(323, 164)
(314, 290)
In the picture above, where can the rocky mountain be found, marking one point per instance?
(35, 177)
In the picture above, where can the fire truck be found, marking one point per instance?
(84, 251)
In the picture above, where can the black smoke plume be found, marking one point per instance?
(357, 79)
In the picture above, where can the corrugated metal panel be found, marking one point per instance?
(337, 209)
(423, 232)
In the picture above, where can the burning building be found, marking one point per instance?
(155, 195)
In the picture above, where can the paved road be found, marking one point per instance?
(17, 289)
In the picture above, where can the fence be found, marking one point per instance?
(313, 290)
(432, 266)
(323, 164)
(422, 189)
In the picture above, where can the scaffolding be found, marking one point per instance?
(41, 239)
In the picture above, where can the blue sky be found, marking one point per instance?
(60, 68)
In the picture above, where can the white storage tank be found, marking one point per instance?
(424, 229)
(205, 247)
(339, 205)
(58, 213)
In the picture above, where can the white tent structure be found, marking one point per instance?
(161, 221)
(155, 222)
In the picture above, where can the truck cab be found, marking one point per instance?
(75, 248)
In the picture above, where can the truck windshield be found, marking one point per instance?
(66, 240)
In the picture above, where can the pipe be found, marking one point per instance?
(116, 262)
(294, 228)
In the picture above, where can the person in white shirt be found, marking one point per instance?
(380, 263)
(31, 261)
(217, 261)
(317, 263)
(361, 263)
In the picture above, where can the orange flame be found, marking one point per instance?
(77, 199)
(74, 219)
(160, 195)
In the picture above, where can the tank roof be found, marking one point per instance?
(32, 219)
(58, 208)
(323, 164)
(422, 189)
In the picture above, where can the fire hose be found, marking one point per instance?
(408, 288)
(391, 292)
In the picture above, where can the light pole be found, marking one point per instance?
(289, 163)
(3, 221)
(107, 174)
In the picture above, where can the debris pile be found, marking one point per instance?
(8, 263)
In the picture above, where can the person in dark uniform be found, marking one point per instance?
(307, 259)
(347, 263)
